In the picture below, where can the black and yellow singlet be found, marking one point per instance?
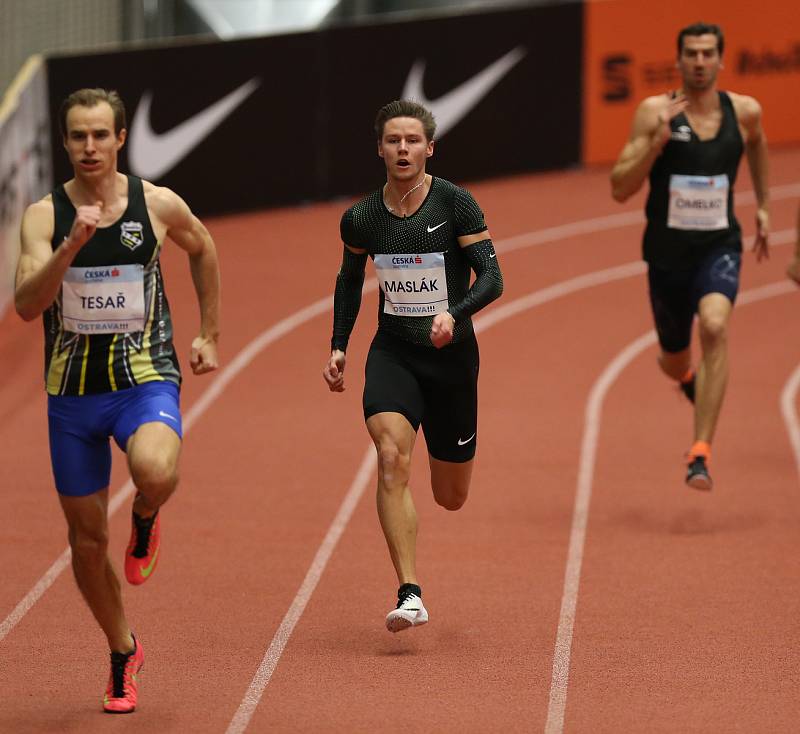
(110, 326)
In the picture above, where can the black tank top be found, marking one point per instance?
(688, 211)
(447, 213)
(83, 363)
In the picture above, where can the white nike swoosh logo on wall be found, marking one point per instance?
(152, 154)
(451, 108)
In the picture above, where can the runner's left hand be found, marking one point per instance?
(760, 246)
(204, 355)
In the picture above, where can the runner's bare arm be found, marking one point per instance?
(649, 134)
(793, 271)
(749, 113)
(40, 270)
(191, 235)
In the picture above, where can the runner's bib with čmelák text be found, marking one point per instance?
(698, 202)
(412, 285)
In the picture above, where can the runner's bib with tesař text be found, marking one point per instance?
(698, 202)
(412, 285)
(103, 300)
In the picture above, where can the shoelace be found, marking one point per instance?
(119, 677)
(144, 526)
(406, 597)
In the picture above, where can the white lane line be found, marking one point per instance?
(262, 677)
(788, 402)
(207, 398)
(583, 493)
(260, 680)
(243, 359)
(616, 221)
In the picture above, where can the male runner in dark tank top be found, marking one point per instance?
(89, 264)
(689, 144)
(425, 236)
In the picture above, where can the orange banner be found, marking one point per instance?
(630, 53)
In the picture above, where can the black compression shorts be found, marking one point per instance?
(675, 294)
(435, 388)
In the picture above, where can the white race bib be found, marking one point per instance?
(413, 285)
(103, 300)
(698, 202)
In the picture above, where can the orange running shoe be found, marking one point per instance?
(687, 385)
(698, 459)
(141, 557)
(123, 683)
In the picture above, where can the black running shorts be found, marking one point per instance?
(675, 294)
(435, 388)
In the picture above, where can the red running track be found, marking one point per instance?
(679, 611)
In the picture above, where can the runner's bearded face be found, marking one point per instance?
(90, 141)
(699, 62)
(404, 148)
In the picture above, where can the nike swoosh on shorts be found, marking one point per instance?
(152, 154)
(451, 108)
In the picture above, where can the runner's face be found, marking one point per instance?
(90, 140)
(699, 61)
(404, 148)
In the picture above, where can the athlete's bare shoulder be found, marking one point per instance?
(162, 202)
(648, 114)
(747, 108)
(41, 212)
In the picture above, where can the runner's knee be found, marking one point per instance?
(156, 477)
(713, 327)
(89, 545)
(393, 464)
(450, 494)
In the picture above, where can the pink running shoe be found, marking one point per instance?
(123, 683)
(141, 557)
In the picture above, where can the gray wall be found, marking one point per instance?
(36, 26)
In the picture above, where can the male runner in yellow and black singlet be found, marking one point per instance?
(90, 264)
(425, 236)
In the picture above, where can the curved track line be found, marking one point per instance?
(788, 401)
(244, 357)
(616, 221)
(498, 314)
(223, 379)
(583, 493)
(260, 680)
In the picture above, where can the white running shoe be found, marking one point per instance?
(410, 612)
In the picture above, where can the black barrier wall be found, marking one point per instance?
(279, 120)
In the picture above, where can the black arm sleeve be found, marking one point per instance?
(347, 297)
(488, 283)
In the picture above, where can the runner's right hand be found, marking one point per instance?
(84, 225)
(334, 371)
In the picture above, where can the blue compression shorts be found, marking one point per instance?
(81, 425)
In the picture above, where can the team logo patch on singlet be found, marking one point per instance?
(683, 134)
(412, 285)
(103, 300)
(131, 234)
(698, 202)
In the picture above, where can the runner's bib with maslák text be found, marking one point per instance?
(698, 202)
(103, 300)
(412, 285)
